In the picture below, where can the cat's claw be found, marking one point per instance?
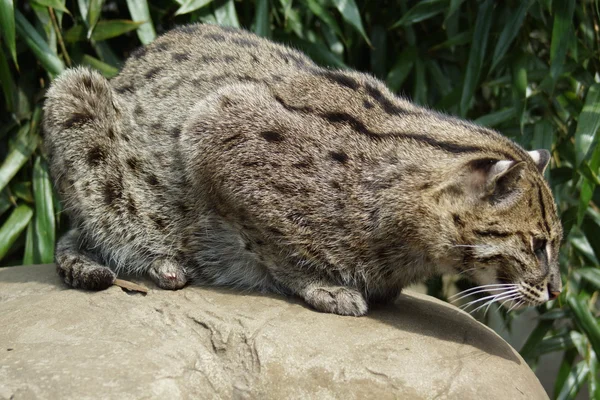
(167, 275)
(337, 300)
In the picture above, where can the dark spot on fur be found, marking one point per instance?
(161, 46)
(457, 220)
(492, 233)
(152, 72)
(304, 164)
(339, 156)
(272, 136)
(335, 185)
(248, 246)
(152, 180)
(215, 36)
(87, 81)
(139, 52)
(110, 133)
(276, 78)
(231, 138)
(229, 59)
(176, 132)
(138, 110)
(254, 58)
(425, 186)
(157, 126)
(127, 88)
(248, 78)
(367, 104)
(113, 190)
(207, 59)
(160, 221)
(252, 164)
(244, 42)
(96, 155)
(339, 78)
(77, 119)
(131, 207)
(180, 57)
(133, 164)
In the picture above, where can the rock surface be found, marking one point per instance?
(58, 343)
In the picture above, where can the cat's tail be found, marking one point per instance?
(79, 113)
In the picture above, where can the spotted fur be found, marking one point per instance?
(219, 157)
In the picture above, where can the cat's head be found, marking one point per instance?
(506, 229)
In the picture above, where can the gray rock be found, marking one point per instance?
(206, 343)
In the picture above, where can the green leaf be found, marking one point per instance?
(588, 124)
(261, 19)
(477, 53)
(574, 381)
(510, 31)
(317, 51)
(399, 72)
(46, 56)
(140, 13)
(13, 226)
(317, 9)
(22, 190)
(588, 185)
(44, 223)
(25, 144)
(592, 275)
(93, 15)
(528, 351)
(497, 117)
(8, 87)
(5, 203)
(55, 4)
(28, 255)
(421, 11)
(7, 27)
(565, 368)
(585, 320)
(226, 14)
(191, 5)
(351, 15)
(104, 30)
(106, 70)
(562, 31)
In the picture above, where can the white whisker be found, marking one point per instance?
(477, 292)
(516, 305)
(477, 289)
(494, 297)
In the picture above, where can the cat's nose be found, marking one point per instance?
(553, 291)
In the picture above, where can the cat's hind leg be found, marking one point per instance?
(77, 268)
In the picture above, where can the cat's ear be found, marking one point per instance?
(541, 158)
(502, 178)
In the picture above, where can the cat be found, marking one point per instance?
(221, 158)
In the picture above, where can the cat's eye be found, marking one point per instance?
(538, 246)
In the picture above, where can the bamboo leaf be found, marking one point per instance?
(401, 69)
(93, 15)
(585, 320)
(191, 5)
(38, 45)
(226, 14)
(44, 223)
(592, 275)
(477, 53)
(565, 368)
(562, 30)
(104, 30)
(140, 13)
(324, 16)
(574, 381)
(423, 10)
(8, 87)
(7, 27)
(25, 144)
(28, 255)
(13, 227)
(510, 31)
(261, 19)
(107, 70)
(55, 4)
(351, 15)
(497, 117)
(588, 124)
(5, 203)
(528, 351)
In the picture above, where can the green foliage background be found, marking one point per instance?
(528, 68)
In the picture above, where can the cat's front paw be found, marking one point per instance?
(167, 275)
(337, 300)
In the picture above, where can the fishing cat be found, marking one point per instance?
(219, 157)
